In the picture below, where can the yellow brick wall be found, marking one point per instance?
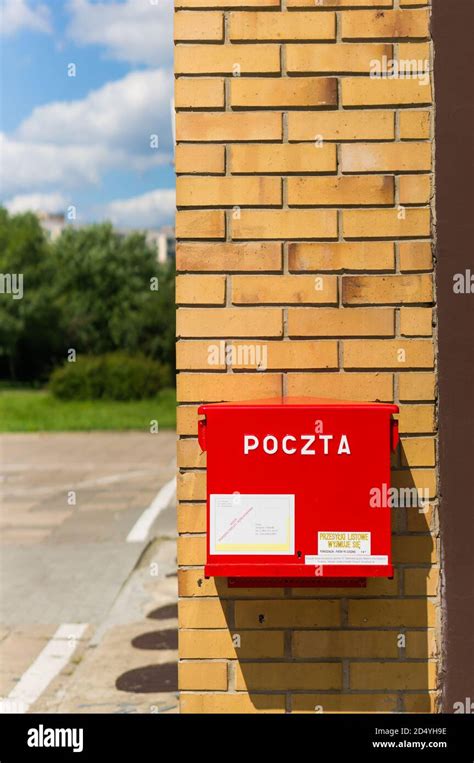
(304, 191)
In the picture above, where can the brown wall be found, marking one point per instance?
(304, 191)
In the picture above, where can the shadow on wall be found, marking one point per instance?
(331, 649)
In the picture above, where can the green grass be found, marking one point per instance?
(37, 411)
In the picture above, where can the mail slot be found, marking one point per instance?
(291, 490)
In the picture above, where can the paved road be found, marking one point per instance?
(68, 503)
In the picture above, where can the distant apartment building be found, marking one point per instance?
(53, 223)
(165, 242)
(160, 239)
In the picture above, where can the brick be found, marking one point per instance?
(286, 614)
(290, 355)
(202, 613)
(421, 581)
(209, 223)
(353, 386)
(286, 92)
(190, 456)
(416, 321)
(421, 520)
(226, 59)
(255, 25)
(344, 703)
(386, 223)
(414, 549)
(209, 676)
(221, 644)
(421, 644)
(215, 388)
(392, 675)
(350, 256)
(285, 223)
(341, 125)
(393, 613)
(331, 644)
(197, 158)
(277, 676)
(200, 355)
(340, 191)
(231, 703)
(228, 191)
(410, 52)
(228, 126)
(386, 290)
(388, 353)
(200, 290)
(192, 487)
(415, 256)
(390, 24)
(421, 479)
(284, 158)
(196, 25)
(418, 451)
(339, 322)
(340, 58)
(202, 92)
(191, 516)
(417, 387)
(191, 582)
(428, 702)
(386, 157)
(284, 289)
(367, 91)
(414, 189)
(231, 322)
(226, 257)
(186, 420)
(225, 3)
(375, 587)
(417, 419)
(340, 3)
(192, 548)
(415, 125)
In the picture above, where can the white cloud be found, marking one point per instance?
(70, 143)
(121, 113)
(149, 210)
(21, 14)
(137, 31)
(36, 202)
(30, 166)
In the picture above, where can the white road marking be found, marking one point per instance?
(41, 672)
(141, 528)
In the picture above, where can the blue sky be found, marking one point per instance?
(85, 140)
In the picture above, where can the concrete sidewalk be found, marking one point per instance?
(68, 504)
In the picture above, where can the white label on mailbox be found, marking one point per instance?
(252, 524)
(341, 547)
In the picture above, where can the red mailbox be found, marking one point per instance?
(290, 486)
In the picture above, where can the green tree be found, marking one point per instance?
(112, 293)
(28, 341)
(91, 290)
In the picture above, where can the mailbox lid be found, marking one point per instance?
(298, 402)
